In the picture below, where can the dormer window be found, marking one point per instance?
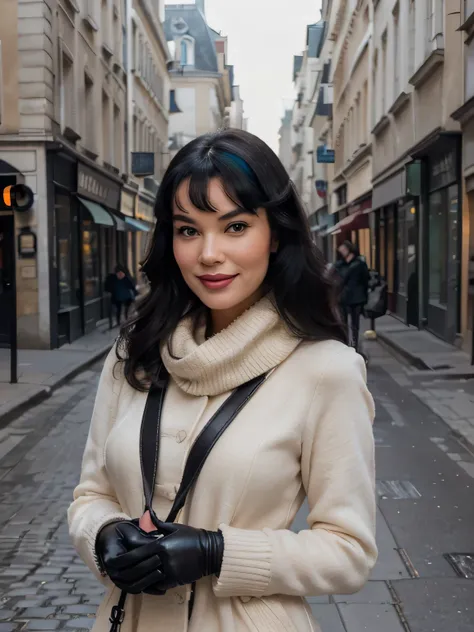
(187, 51)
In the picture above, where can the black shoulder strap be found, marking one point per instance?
(210, 434)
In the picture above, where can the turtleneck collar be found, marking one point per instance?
(253, 344)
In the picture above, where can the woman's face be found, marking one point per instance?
(223, 256)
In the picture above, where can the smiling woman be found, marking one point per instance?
(265, 244)
(238, 333)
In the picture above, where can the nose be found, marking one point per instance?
(211, 252)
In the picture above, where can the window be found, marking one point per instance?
(64, 233)
(468, 9)
(90, 259)
(66, 95)
(105, 23)
(437, 247)
(411, 37)
(375, 90)
(187, 52)
(117, 139)
(106, 137)
(383, 90)
(396, 51)
(469, 70)
(89, 127)
(184, 52)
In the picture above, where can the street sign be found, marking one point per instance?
(143, 163)
(325, 155)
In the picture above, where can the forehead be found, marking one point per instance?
(216, 198)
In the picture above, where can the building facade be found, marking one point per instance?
(64, 132)
(465, 115)
(201, 79)
(417, 150)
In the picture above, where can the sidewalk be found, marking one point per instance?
(425, 352)
(41, 372)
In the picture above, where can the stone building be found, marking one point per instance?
(65, 132)
(201, 79)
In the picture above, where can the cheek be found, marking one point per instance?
(255, 252)
(184, 254)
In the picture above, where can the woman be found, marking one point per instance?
(237, 290)
(123, 291)
(355, 288)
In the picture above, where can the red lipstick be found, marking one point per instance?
(216, 281)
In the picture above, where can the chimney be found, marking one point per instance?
(201, 6)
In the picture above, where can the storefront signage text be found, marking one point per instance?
(97, 187)
(443, 170)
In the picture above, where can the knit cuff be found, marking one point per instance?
(91, 532)
(246, 565)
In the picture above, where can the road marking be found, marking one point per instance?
(397, 490)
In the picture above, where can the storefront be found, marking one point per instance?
(86, 229)
(354, 226)
(127, 206)
(146, 217)
(442, 238)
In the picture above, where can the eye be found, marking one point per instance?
(238, 227)
(187, 231)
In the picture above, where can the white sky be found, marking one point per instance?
(263, 37)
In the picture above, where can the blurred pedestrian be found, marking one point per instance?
(239, 300)
(123, 292)
(355, 287)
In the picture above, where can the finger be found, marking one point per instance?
(137, 572)
(146, 582)
(134, 557)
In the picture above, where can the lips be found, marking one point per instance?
(217, 281)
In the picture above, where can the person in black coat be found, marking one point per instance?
(122, 290)
(355, 286)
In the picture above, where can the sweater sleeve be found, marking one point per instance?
(95, 503)
(337, 552)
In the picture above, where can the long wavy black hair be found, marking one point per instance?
(253, 177)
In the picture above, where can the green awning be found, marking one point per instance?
(136, 224)
(119, 223)
(98, 212)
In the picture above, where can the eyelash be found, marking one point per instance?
(182, 229)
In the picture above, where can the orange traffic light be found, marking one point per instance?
(18, 197)
(7, 196)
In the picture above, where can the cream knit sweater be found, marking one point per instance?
(307, 431)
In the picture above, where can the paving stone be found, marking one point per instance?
(80, 609)
(327, 616)
(6, 614)
(71, 600)
(359, 617)
(38, 624)
(81, 622)
(30, 603)
(7, 627)
(39, 613)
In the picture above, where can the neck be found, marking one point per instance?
(222, 318)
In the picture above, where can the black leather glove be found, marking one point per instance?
(187, 554)
(129, 556)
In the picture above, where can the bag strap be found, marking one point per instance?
(150, 448)
(208, 437)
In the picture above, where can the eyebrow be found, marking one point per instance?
(230, 215)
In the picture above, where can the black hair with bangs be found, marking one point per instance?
(253, 177)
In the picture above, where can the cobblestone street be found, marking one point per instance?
(425, 482)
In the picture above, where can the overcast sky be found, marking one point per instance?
(263, 37)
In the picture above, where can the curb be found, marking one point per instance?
(46, 392)
(413, 360)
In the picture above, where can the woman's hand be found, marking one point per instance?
(130, 556)
(187, 554)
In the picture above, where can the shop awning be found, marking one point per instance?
(356, 221)
(136, 224)
(98, 212)
(120, 223)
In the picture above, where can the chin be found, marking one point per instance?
(220, 302)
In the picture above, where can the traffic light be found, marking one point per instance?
(17, 197)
